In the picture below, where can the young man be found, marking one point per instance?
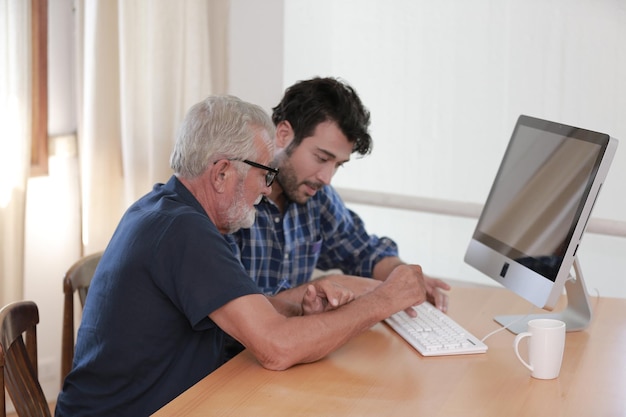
(160, 304)
(303, 224)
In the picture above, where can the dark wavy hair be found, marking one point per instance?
(309, 103)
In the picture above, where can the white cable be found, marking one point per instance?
(508, 325)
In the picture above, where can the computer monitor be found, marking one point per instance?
(534, 218)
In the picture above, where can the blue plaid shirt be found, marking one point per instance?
(282, 251)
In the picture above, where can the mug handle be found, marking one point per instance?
(518, 338)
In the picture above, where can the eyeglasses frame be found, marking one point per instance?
(271, 172)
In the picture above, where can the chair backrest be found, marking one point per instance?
(76, 279)
(18, 360)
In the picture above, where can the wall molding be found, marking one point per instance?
(455, 208)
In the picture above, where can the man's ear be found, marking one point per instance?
(219, 174)
(284, 134)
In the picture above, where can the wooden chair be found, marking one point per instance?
(18, 360)
(77, 279)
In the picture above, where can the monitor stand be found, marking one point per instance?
(576, 315)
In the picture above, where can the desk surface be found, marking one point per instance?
(379, 374)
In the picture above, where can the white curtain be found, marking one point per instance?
(15, 120)
(141, 65)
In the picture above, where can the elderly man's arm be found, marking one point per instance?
(279, 342)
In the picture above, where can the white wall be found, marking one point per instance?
(445, 82)
(256, 52)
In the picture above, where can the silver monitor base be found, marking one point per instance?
(576, 315)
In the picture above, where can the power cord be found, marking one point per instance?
(508, 325)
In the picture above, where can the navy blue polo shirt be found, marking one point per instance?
(145, 335)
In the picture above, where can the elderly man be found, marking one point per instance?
(160, 304)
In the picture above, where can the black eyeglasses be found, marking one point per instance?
(271, 172)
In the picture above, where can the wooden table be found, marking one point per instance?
(378, 374)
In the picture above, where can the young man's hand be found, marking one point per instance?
(324, 295)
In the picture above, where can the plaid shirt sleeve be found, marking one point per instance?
(346, 244)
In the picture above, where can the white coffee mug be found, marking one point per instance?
(545, 347)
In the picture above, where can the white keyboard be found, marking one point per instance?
(433, 333)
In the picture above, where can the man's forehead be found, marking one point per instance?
(328, 139)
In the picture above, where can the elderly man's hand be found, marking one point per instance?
(324, 295)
